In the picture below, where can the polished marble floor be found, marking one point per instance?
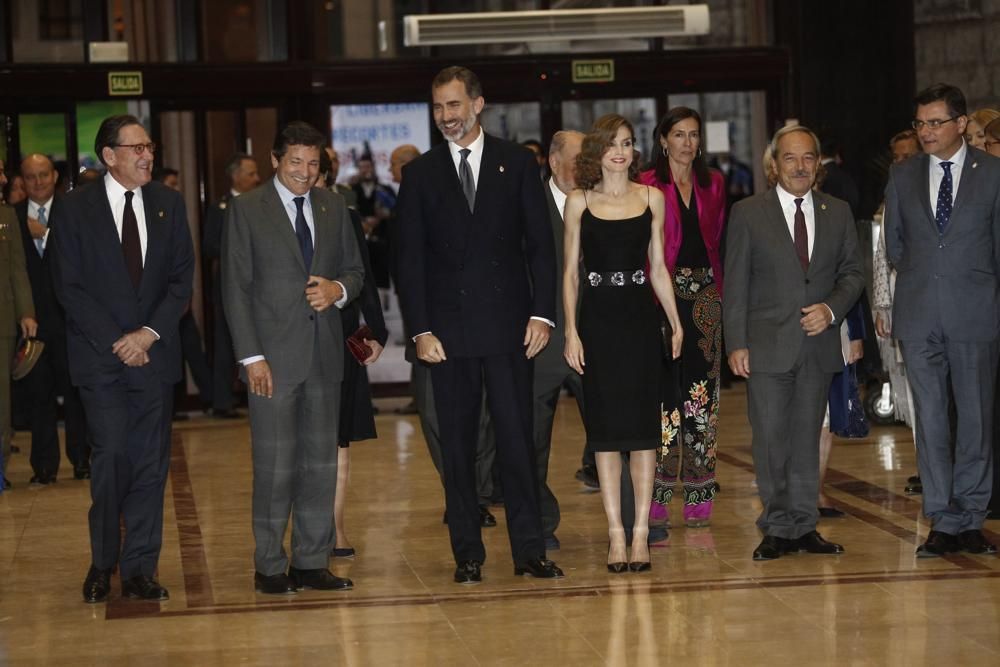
(704, 603)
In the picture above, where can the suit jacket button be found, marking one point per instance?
(462, 292)
(312, 317)
(495, 263)
(807, 281)
(461, 267)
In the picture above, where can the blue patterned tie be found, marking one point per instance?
(43, 221)
(944, 201)
(302, 232)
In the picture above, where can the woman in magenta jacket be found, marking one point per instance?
(695, 215)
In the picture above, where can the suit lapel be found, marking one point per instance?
(156, 233)
(924, 180)
(322, 230)
(458, 215)
(274, 214)
(558, 228)
(821, 226)
(967, 184)
(491, 171)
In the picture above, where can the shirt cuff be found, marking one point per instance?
(543, 319)
(252, 360)
(423, 333)
(833, 318)
(152, 331)
(342, 301)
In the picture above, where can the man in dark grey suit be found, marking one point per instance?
(551, 369)
(290, 261)
(942, 211)
(792, 271)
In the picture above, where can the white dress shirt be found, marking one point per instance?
(33, 213)
(559, 196)
(116, 198)
(787, 201)
(291, 208)
(937, 175)
(475, 158)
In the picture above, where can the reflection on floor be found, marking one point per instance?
(705, 601)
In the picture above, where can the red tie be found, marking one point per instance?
(801, 236)
(131, 247)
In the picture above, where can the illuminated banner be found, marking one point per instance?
(379, 129)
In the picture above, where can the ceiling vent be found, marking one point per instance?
(555, 24)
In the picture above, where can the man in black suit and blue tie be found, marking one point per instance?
(123, 270)
(942, 211)
(477, 287)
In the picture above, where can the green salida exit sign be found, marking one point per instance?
(124, 83)
(593, 71)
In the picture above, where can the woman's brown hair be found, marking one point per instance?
(596, 144)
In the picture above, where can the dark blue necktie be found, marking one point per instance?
(944, 200)
(302, 232)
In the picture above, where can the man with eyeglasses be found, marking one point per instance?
(941, 214)
(123, 270)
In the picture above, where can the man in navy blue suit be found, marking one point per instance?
(477, 286)
(123, 270)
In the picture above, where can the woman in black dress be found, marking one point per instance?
(615, 226)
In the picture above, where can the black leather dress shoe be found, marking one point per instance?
(96, 586)
(913, 479)
(772, 547)
(937, 544)
(42, 479)
(468, 572)
(588, 475)
(81, 472)
(539, 568)
(913, 487)
(486, 520)
(831, 513)
(814, 543)
(320, 579)
(973, 542)
(6, 483)
(141, 587)
(275, 584)
(342, 552)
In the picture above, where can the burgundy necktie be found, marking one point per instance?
(131, 247)
(801, 236)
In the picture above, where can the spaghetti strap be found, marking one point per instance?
(586, 203)
(647, 196)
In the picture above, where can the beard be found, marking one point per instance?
(461, 130)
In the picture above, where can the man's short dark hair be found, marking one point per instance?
(473, 88)
(234, 163)
(297, 133)
(161, 173)
(951, 95)
(107, 133)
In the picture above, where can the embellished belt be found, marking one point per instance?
(617, 278)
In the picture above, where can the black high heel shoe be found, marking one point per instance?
(640, 565)
(616, 568)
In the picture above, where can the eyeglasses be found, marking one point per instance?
(933, 123)
(139, 148)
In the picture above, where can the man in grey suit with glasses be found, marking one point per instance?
(942, 211)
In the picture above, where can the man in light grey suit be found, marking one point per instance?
(792, 271)
(290, 262)
(942, 211)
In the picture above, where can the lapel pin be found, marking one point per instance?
(161, 214)
(323, 208)
(975, 164)
(501, 169)
(823, 206)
